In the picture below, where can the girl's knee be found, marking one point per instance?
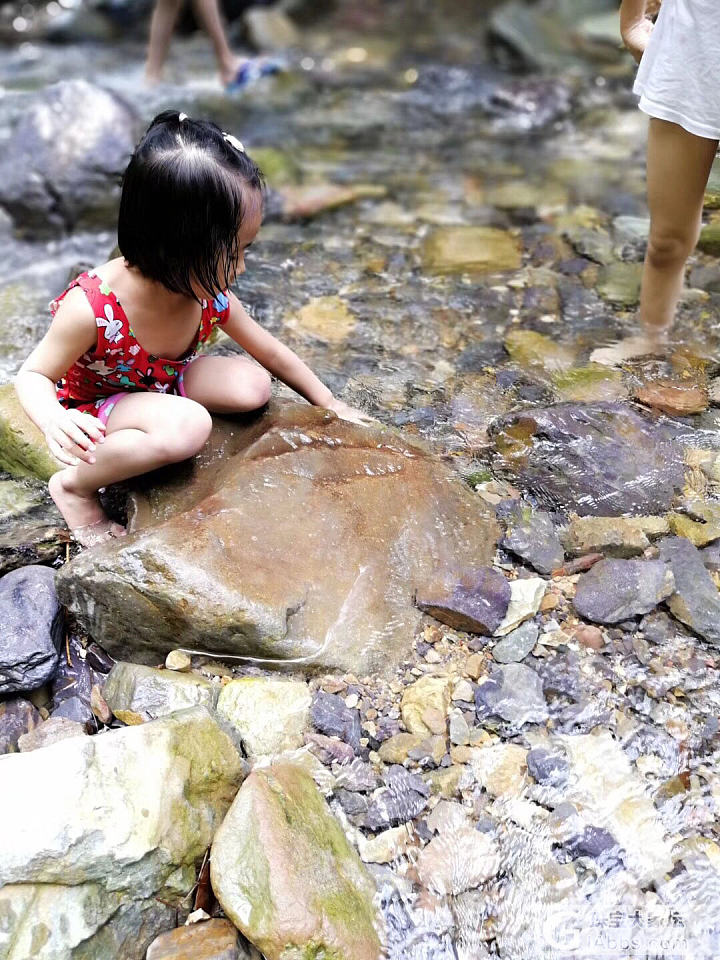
(666, 250)
(260, 389)
(184, 434)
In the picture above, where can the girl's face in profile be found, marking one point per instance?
(249, 228)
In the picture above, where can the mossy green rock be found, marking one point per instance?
(709, 241)
(530, 349)
(619, 283)
(594, 382)
(23, 451)
(712, 191)
(95, 864)
(470, 250)
(285, 874)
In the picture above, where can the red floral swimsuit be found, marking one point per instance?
(117, 364)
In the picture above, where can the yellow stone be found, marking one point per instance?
(327, 318)
(448, 250)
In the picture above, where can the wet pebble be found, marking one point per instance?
(546, 766)
(403, 798)
(514, 693)
(476, 604)
(696, 601)
(332, 717)
(516, 645)
(17, 717)
(531, 535)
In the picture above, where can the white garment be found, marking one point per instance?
(679, 75)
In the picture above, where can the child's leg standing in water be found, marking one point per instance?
(678, 167)
(163, 22)
(678, 88)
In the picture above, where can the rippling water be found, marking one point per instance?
(425, 113)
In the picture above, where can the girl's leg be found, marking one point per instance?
(208, 15)
(162, 25)
(678, 167)
(144, 431)
(227, 384)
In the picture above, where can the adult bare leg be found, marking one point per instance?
(144, 431)
(208, 14)
(162, 25)
(678, 167)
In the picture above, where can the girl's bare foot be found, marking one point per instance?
(88, 522)
(650, 343)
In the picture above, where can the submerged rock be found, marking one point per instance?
(616, 590)
(285, 874)
(613, 536)
(270, 715)
(32, 629)
(613, 796)
(293, 537)
(450, 250)
(594, 459)
(426, 694)
(60, 169)
(514, 693)
(531, 535)
(677, 398)
(130, 815)
(517, 644)
(696, 601)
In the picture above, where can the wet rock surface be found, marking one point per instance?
(695, 601)
(616, 590)
(32, 629)
(285, 874)
(60, 169)
(478, 603)
(595, 459)
(281, 465)
(148, 693)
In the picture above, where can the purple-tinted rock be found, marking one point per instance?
(531, 535)
(17, 716)
(596, 459)
(592, 842)
(547, 767)
(477, 604)
(329, 750)
(514, 693)
(74, 681)
(403, 798)
(331, 716)
(31, 634)
(696, 601)
(614, 590)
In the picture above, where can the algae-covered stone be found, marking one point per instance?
(23, 451)
(619, 283)
(470, 250)
(589, 384)
(531, 349)
(286, 876)
(709, 241)
(155, 693)
(270, 715)
(112, 848)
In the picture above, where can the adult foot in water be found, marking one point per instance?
(650, 344)
(88, 522)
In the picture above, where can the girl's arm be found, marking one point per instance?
(635, 27)
(283, 363)
(68, 433)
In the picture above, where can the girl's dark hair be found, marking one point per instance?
(183, 199)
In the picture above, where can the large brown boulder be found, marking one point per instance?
(294, 537)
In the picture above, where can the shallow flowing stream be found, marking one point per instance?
(451, 335)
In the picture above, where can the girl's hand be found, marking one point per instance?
(637, 36)
(71, 436)
(346, 412)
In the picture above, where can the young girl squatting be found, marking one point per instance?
(115, 384)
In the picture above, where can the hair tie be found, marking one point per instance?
(234, 142)
(181, 117)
